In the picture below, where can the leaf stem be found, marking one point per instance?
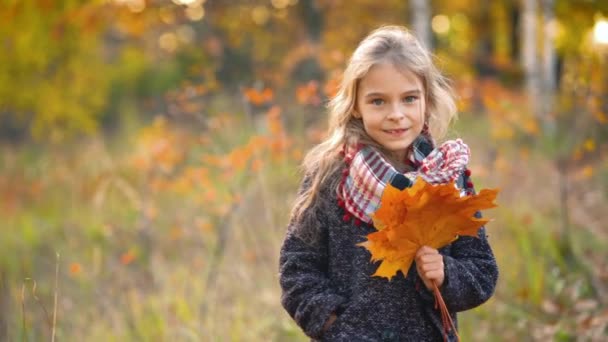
(446, 319)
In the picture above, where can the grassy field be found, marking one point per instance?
(171, 233)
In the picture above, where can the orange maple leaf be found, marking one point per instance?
(423, 215)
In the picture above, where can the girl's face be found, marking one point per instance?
(391, 103)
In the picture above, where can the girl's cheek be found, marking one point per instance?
(380, 114)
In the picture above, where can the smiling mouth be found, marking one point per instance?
(395, 131)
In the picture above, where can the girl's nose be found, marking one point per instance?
(396, 113)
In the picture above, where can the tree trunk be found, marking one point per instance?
(313, 19)
(549, 55)
(484, 45)
(515, 39)
(306, 66)
(421, 21)
(528, 57)
(549, 79)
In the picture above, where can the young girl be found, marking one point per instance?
(391, 106)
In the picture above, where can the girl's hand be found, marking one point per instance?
(429, 264)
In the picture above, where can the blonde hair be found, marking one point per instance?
(394, 44)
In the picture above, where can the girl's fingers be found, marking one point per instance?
(429, 258)
(426, 250)
(429, 264)
(434, 275)
(438, 265)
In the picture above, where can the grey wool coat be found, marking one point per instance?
(324, 272)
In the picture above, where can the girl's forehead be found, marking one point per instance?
(388, 76)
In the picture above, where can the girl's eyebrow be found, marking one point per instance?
(407, 92)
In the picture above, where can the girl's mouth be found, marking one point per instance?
(396, 132)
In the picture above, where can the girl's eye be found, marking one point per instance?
(377, 102)
(410, 99)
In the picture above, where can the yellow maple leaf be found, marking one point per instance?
(423, 215)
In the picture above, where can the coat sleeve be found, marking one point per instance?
(470, 272)
(306, 292)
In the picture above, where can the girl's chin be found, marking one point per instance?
(397, 148)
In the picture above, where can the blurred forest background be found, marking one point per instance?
(149, 155)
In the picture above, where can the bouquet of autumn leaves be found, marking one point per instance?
(423, 215)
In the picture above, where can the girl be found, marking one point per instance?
(391, 105)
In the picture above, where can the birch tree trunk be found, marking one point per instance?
(549, 78)
(549, 55)
(421, 21)
(528, 57)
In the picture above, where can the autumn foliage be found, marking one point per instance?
(423, 215)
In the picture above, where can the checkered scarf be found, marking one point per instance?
(369, 172)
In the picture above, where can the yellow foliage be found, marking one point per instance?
(584, 173)
(589, 145)
(530, 126)
(600, 117)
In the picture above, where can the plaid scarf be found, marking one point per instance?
(369, 172)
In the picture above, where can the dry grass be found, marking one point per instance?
(139, 264)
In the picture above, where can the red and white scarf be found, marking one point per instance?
(369, 172)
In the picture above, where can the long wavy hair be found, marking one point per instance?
(393, 44)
